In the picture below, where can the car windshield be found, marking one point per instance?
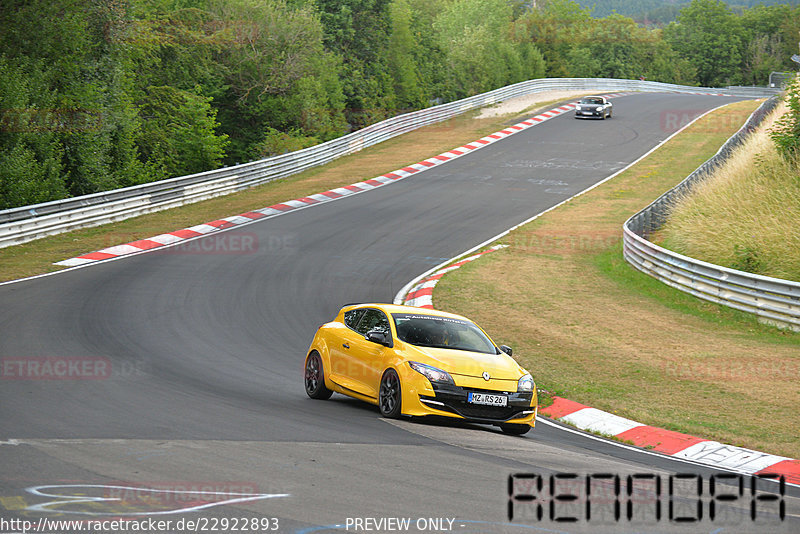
(591, 100)
(441, 332)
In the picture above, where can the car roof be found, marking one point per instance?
(398, 308)
(595, 96)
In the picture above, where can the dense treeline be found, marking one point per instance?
(100, 94)
(662, 11)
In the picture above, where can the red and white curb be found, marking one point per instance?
(192, 232)
(421, 294)
(671, 443)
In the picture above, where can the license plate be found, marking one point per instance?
(488, 399)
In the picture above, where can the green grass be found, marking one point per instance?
(612, 264)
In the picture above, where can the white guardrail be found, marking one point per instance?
(773, 300)
(19, 225)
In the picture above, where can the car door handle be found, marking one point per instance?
(345, 345)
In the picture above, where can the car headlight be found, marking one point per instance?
(432, 373)
(525, 383)
(578, 108)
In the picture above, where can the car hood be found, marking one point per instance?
(466, 363)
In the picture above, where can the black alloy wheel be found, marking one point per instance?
(315, 378)
(389, 396)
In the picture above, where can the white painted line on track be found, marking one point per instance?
(82, 498)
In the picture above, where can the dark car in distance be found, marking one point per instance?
(594, 107)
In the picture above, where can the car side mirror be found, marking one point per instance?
(377, 336)
(506, 349)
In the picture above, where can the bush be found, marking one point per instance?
(179, 131)
(276, 143)
(786, 132)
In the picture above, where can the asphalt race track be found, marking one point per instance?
(194, 391)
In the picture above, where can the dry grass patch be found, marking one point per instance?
(38, 256)
(746, 214)
(594, 330)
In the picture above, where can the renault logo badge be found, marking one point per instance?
(486, 376)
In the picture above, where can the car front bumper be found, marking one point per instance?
(590, 113)
(454, 400)
(421, 398)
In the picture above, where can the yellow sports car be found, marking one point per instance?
(416, 361)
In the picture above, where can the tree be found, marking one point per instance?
(556, 28)
(402, 57)
(763, 42)
(75, 56)
(709, 35)
(790, 35)
(577, 45)
(178, 131)
(277, 74)
(476, 39)
(30, 150)
(358, 32)
(427, 52)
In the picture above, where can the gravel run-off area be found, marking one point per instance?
(521, 103)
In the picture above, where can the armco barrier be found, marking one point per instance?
(775, 301)
(19, 225)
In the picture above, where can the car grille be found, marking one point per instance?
(453, 399)
(494, 413)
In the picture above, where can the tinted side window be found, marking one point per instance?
(371, 320)
(351, 317)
